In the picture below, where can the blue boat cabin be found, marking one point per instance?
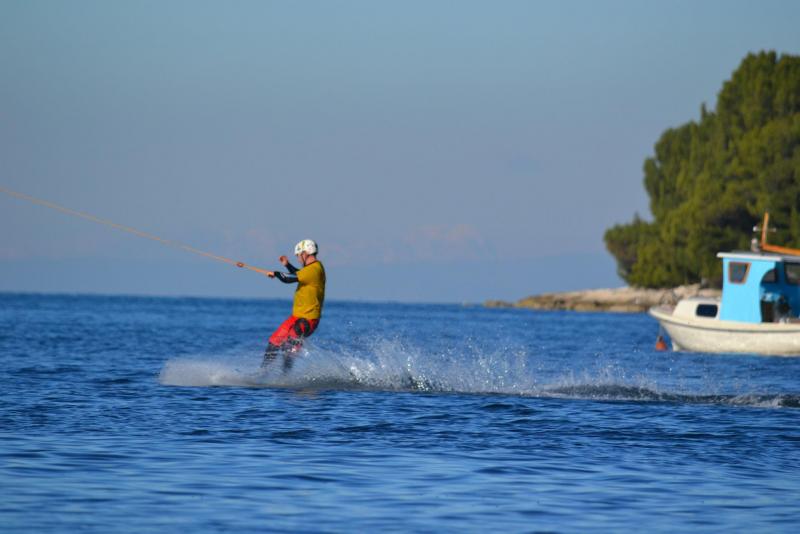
(759, 288)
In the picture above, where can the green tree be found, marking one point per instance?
(709, 181)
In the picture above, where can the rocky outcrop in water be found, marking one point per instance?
(623, 299)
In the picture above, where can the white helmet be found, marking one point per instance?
(307, 246)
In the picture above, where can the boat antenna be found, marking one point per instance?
(130, 230)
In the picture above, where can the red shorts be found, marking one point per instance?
(292, 331)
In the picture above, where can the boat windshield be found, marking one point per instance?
(792, 273)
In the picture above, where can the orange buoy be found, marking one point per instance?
(660, 343)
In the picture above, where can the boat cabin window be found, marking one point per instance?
(792, 273)
(706, 310)
(737, 272)
(770, 277)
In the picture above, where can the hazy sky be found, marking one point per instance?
(437, 150)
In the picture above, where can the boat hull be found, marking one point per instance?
(699, 334)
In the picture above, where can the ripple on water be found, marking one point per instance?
(156, 416)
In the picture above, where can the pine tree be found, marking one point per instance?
(710, 181)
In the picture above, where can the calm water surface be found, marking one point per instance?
(122, 414)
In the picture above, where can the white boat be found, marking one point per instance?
(757, 313)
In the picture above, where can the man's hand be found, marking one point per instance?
(284, 260)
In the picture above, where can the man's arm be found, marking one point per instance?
(286, 278)
(289, 267)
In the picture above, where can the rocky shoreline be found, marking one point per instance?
(623, 299)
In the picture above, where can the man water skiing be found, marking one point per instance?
(307, 308)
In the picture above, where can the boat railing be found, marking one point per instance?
(766, 247)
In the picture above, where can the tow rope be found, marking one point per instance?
(130, 230)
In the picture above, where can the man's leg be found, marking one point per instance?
(288, 339)
(301, 329)
(270, 354)
(277, 341)
(288, 360)
(294, 342)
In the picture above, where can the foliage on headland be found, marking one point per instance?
(711, 180)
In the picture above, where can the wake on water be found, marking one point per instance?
(392, 366)
(386, 365)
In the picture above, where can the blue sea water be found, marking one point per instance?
(129, 414)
